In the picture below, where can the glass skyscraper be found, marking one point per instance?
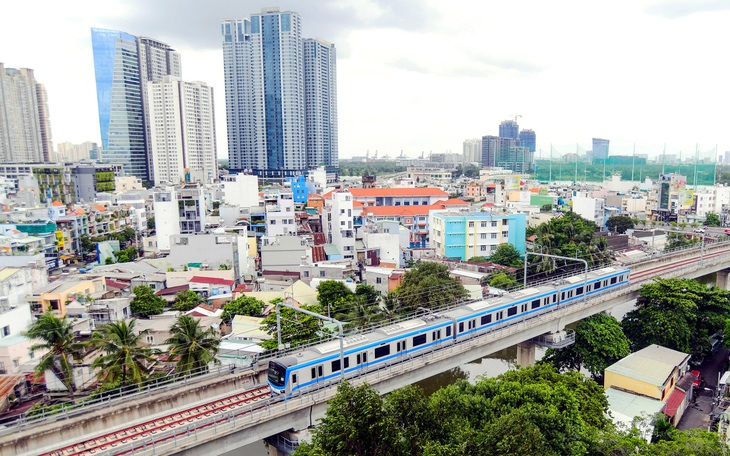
(509, 129)
(600, 148)
(123, 64)
(528, 139)
(273, 129)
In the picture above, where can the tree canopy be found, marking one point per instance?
(528, 411)
(187, 300)
(620, 223)
(599, 342)
(296, 328)
(571, 236)
(125, 360)
(712, 219)
(429, 285)
(243, 305)
(506, 255)
(145, 302)
(680, 314)
(333, 295)
(191, 346)
(57, 339)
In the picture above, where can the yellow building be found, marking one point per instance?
(652, 371)
(54, 296)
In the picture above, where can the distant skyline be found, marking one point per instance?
(423, 76)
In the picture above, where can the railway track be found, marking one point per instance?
(644, 275)
(126, 437)
(122, 441)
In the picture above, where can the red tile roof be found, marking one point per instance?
(212, 280)
(319, 239)
(453, 202)
(396, 192)
(673, 403)
(7, 384)
(243, 288)
(172, 290)
(111, 283)
(57, 204)
(100, 208)
(318, 254)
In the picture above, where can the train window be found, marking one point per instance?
(555, 298)
(597, 285)
(448, 331)
(486, 319)
(461, 327)
(358, 358)
(512, 311)
(498, 316)
(472, 324)
(419, 340)
(336, 365)
(523, 308)
(570, 294)
(562, 296)
(382, 351)
(294, 378)
(319, 370)
(347, 362)
(535, 303)
(579, 291)
(613, 280)
(314, 373)
(365, 357)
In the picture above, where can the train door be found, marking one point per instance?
(317, 373)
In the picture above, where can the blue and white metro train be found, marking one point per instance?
(388, 345)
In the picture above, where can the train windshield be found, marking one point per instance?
(276, 374)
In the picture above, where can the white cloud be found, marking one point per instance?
(423, 76)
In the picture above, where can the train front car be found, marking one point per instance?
(278, 374)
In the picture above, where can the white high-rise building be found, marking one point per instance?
(182, 131)
(271, 124)
(320, 103)
(25, 129)
(473, 150)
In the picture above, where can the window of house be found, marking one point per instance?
(6, 331)
(321, 273)
(378, 280)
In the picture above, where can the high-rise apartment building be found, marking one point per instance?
(494, 147)
(69, 152)
(25, 126)
(528, 140)
(472, 150)
(281, 97)
(600, 148)
(509, 129)
(123, 65)
(320, 103)
(182, 131)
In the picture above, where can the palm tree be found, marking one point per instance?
(193, 347)
(125, 359)
(58, 338)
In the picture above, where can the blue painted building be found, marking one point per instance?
(300, 188)
(460, 236)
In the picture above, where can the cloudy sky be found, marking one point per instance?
(424, 75)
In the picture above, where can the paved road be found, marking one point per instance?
(698, 414)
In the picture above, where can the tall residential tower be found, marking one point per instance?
(25, 127)
(281, 97)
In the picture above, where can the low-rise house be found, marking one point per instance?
(55, 296)
(211, 286)
(655, 372)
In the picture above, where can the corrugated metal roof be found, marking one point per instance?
(673, 403)
(651, 365)
(631, 405)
